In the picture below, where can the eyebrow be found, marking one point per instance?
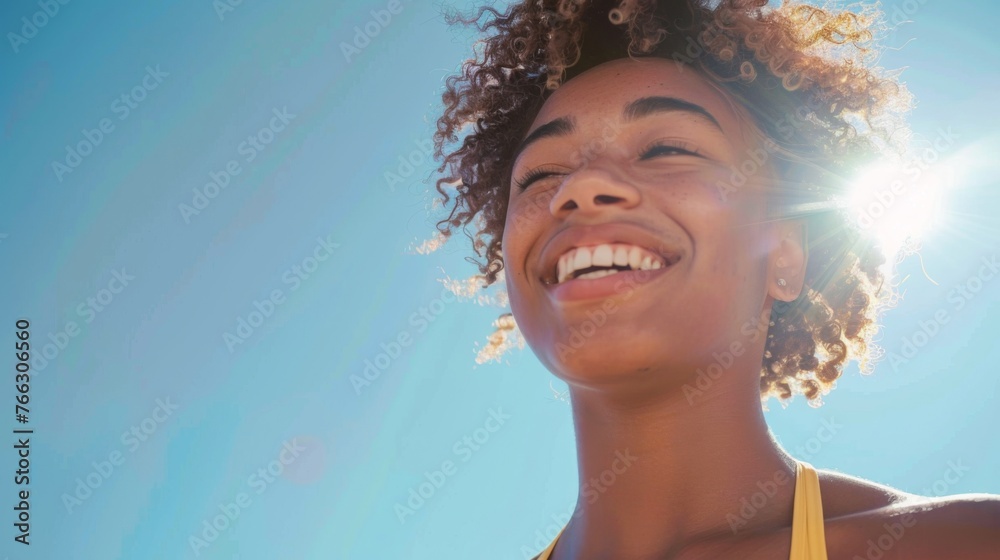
(635, 110)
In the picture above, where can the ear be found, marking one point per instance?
(788, 260)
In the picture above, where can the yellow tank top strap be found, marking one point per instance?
(808, 536)
(544, 555)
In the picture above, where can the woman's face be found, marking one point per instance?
(633, 173)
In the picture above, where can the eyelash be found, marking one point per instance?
(681, 148)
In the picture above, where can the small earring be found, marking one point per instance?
(782, 283)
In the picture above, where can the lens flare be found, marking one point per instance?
(899, 203)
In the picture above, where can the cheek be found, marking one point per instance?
(527, 209)
(516, 243)
(526, 214)
(731, 245)
(725, 229)
(741, 238)
(691, 191)
(732, 270)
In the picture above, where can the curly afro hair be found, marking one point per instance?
(804, 74)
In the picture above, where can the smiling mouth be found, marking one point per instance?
(607, 259)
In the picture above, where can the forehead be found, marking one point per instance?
(600, 93)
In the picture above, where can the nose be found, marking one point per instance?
(591, 191)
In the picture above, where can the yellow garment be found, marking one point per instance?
(808, 537)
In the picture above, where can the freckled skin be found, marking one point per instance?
(696, 457)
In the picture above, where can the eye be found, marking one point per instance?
(675, 148)
(657, 148)
(535, 175)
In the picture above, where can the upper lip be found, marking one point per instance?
(593, 235)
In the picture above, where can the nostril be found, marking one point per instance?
(607, 199)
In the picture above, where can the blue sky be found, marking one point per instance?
(200, 335)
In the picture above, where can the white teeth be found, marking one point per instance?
(621, 255)
(597, 274)
(603, 256)
(634, 258)
(582, 258)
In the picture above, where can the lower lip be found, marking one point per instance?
(620, 284)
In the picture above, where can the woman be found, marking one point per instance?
(662, 184)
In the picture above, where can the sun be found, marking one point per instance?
(899, 203)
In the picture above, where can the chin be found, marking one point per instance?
(607, 355)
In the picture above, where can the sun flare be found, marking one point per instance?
(900, 203)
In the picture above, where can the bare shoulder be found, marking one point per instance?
(865, 520)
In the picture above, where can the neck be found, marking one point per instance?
(660, 472)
